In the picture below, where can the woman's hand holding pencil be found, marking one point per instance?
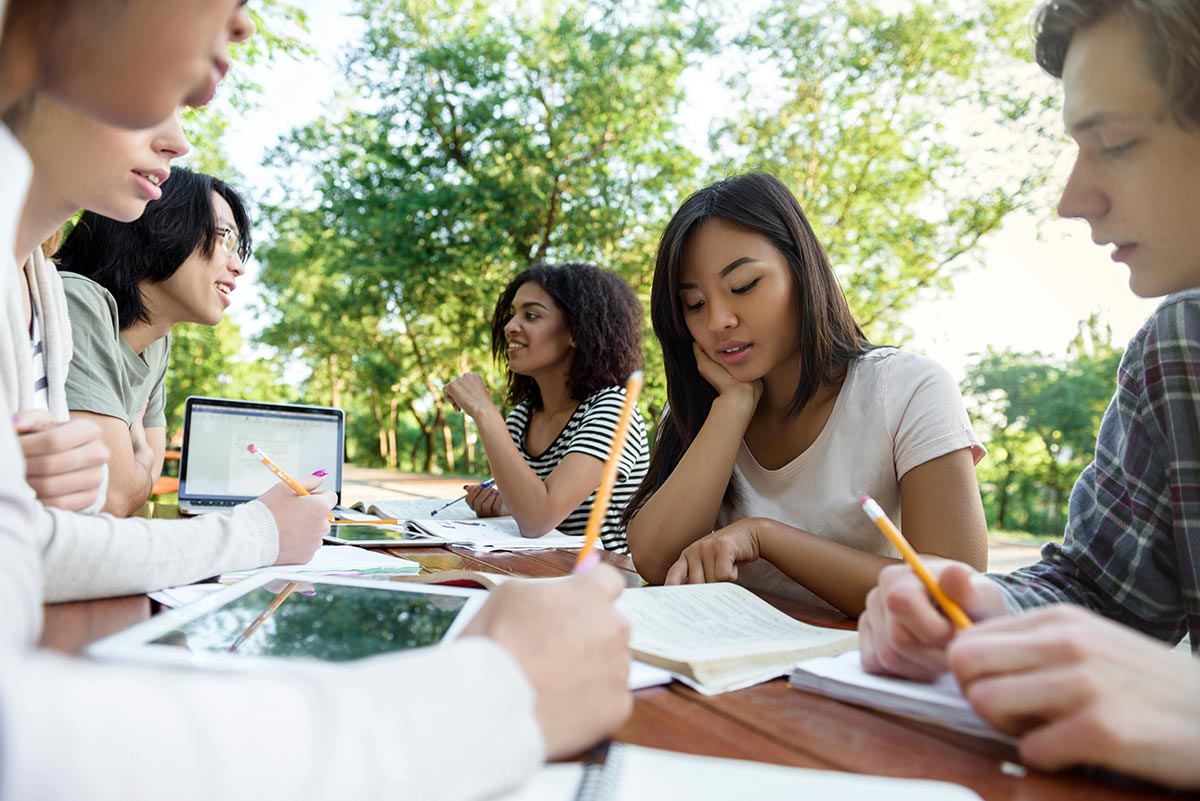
(301, 516)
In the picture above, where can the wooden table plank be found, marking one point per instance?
(70, 627)
(861, 740)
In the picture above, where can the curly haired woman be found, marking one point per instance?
(570, 335)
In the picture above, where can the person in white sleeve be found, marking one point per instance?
(540, 672)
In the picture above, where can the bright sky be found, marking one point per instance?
(1039, 276)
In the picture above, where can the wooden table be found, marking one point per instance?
(771, 722)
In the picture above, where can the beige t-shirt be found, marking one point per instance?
(106, 376)
(895, 411)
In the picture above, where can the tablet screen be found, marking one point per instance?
(349, 532)
(327, 622)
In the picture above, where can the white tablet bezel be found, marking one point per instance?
(136, 644)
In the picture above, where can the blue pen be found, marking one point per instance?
(484, 485)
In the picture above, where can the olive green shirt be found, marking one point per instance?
(106, 376)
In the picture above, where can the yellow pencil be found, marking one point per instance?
(633, 388)
(276, 602)
(952, 610)
(371, 522)
(277, 470)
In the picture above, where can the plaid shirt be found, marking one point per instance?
(1132, 546)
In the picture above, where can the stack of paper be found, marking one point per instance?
(329, 560)
(458, 525)
(492, 534)
(941, 702)
(339, 560)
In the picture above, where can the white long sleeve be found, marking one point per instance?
(99, 556)
(454, 724)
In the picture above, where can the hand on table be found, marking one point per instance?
(904, 632)
(573, 646)
(64, 462)
(302, 520)
(716, 556)
(1079, 689)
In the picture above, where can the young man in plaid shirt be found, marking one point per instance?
(1084, 678)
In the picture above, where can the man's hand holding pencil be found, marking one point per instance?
(904, 631)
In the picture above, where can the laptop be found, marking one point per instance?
(217, 472)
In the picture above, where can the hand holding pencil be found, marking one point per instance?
(904, 631)
(301, 515)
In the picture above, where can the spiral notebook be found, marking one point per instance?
(634, 773)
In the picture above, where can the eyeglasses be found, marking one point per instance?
(229, 241)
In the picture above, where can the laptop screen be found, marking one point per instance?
(215, 464)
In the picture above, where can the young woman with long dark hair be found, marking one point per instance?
(782, 415)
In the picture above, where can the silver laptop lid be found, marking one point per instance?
(215, 469)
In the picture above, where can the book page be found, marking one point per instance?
(497, 533)
(648, 773)
(695, 622)
(419, 509)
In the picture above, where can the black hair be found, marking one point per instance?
(604, 319)
(830, 339)
(120, 256)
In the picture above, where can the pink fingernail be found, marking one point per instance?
(588, 564)
(320, 473)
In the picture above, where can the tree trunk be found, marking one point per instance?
(467, 429)
(426, 436)
(393, 458)
(380, 425)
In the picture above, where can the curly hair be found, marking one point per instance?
(603, 317)
(1172, 42)
(120, 256)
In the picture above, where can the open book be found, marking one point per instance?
(721, 637)
(632, 773)
(712, 637)
(939, 702)
(416, 509)
(456, 525)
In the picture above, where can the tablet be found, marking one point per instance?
(319, 619)
(375, 536)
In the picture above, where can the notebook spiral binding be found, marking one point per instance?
(601, 780)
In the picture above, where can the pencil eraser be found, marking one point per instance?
(864, 500)
(250, 448)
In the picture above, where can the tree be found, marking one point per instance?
(908, 136)
(281, 31)
(480, 144)
(1040, 418)
(208, 360)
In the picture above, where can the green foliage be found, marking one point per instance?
(281, 29)
(475, 137)
(479, 145)
(211, 361)
(1039, 419)
(898, 132)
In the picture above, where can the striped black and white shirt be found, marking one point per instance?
(590, 431)
(37, 344)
